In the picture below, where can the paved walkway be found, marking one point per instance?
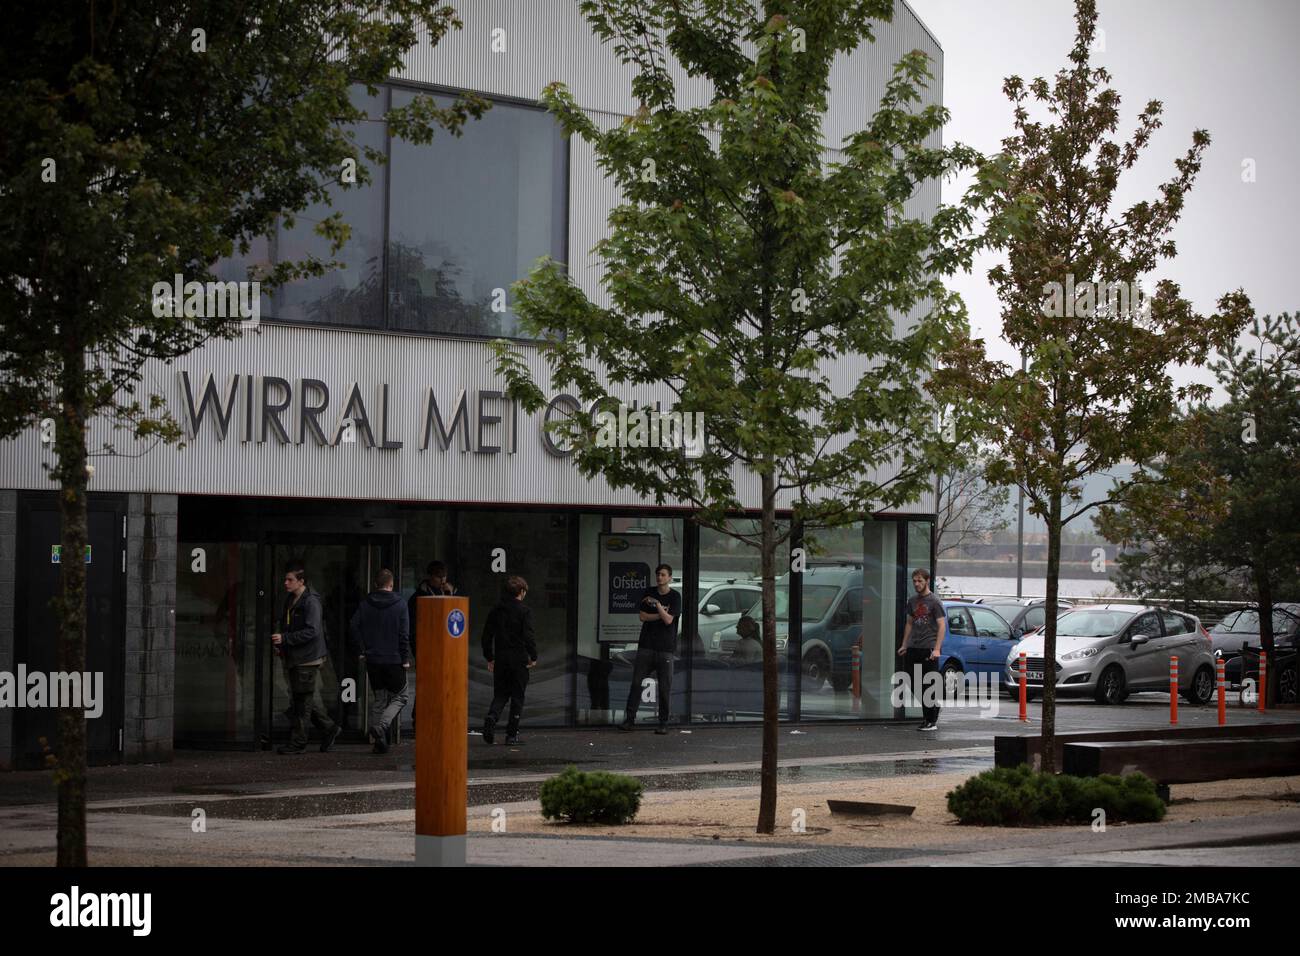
(349, 807)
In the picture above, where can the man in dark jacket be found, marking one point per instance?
(510, 649)
(301, 640)
(435, 584)
(380, 634)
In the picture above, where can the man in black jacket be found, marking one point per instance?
(435, 584)
(661, 608)
(301, 640)
(380, 634)
(510, 649)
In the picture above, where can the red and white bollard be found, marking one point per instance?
(856, 670)
(1223, 691)
(1173, 689)
(1024, 689)
(1263, 678)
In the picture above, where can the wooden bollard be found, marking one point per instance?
(442, 729)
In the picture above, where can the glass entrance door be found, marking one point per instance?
(340, 568)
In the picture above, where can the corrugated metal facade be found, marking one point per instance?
(545, 40)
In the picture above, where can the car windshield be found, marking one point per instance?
(1090, 623)
(817, 600)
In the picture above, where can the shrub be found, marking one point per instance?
(597, 797)
(1018, 796)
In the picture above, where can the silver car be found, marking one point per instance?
(1111, 650)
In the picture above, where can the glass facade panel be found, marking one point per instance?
(353, 294)
(833, 596)
(882, 608)
(216, 640)
(470, 215)
(726, 652)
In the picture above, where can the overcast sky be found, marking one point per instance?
(1227, 66)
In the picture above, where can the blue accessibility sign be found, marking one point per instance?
(456, 623)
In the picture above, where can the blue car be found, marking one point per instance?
(977, 641)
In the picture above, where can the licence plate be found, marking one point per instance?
(1033, 675)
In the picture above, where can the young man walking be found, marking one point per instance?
(434, 584)
(510, 650)
(301, 639)
(660, 609)
(380, 634)
(922, 644)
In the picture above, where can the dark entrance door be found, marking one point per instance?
(340, 567)
(37, 583)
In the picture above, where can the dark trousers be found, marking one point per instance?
(302, 705)
(919, 657)
(388, 685)
(660, 664)
(509, 681)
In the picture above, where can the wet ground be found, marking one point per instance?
(252, 804)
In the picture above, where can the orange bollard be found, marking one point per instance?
(442, 734)
(856, 668)
(1173, 689)
(1263, 678)
(1024, 689)
(1223, 691)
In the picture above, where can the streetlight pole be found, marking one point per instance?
(1020, 524)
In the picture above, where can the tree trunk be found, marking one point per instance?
(70, 766)
(771, 687)
(1049, 634)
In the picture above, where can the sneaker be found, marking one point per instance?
(489, 737)
(327, 744)
(378, 745)
(928, 727)
(290, 749)
(661, 729)
(513, 740)
(625, 726)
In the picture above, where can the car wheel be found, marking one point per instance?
(1201, 690)
(816, 669)
(1110, 687)
(952, 679)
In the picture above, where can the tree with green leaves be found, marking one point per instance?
(745, 268)
(1101, 351)
(145, 140)
(1226, 484)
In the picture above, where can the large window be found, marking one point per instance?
(469, 216)
(439, 234)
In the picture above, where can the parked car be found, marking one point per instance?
(832, 623)
(1025, 615)
(1242, 627)
(721, 604)
(977, 640)
(1112, 650)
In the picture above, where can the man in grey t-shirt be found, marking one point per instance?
(923, 642)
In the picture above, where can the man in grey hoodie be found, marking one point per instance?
(301, 641)
(380, 633)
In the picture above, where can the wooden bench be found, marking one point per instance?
(1186, 760)
(1028, 748)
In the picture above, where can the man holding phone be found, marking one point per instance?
(660, 609)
